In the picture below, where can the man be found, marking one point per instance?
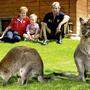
(14, 32)
(52, 25)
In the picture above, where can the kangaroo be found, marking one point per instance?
(22, 60)
(82, 52)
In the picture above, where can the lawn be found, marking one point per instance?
(57, 58)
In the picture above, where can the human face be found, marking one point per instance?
(22, 14)
(55, 10)
(32, 20)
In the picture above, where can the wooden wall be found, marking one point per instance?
(73, 8)
(40, 7)
(81, 11)
(72, 13)
(88, 7)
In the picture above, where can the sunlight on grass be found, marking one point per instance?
(56, 58)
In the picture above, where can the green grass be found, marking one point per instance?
(56, 58)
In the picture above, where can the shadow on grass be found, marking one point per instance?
(61, 75)
(50, 76)
(64, 76)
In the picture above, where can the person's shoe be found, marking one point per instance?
(45, 42)
(40, 41)
(58, 42)
(1, 41)
(25, 39)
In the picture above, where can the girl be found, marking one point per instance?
(32, 30)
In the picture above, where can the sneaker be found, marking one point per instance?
(25, 39)
(1, 41)
(58, 42)
(40, 41)
(45, 42)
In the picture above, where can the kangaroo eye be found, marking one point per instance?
(83, 32)
(85, 24)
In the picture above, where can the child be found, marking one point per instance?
(32, 30)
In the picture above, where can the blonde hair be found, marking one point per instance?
(34, 16)
(56, 4)
(23, 8)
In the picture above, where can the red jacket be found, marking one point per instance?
(19, 25)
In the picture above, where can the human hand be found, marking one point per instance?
(58, 30)
(1, 37)
(49, 31)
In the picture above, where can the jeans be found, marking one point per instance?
(11, 36)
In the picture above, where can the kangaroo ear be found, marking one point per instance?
(81, 20)
(88, 21)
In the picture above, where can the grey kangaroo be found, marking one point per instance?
(82, 52)
(22, 60)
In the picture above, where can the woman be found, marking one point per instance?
(14, 32)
